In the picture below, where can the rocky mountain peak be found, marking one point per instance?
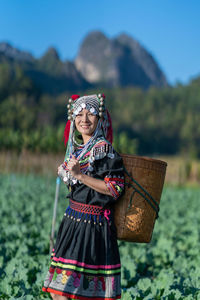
(94, 46)
(145, 59)
(51, 53)
(10, 52)
(118, 62)
(128, 41)
(121, 61)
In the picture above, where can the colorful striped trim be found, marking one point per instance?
(72, 296)
(101, 142)
(115, 185)
(98, 150)
(85, 270)
(82, 264)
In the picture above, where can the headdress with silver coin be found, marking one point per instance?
(96, 105)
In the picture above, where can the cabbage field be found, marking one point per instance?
(167, 268)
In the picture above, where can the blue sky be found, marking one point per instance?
(169, 29)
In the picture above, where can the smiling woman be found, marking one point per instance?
(86, 123)
(85, 260)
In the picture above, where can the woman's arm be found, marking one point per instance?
(96, 184)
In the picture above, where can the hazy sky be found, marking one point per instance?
(169, 29)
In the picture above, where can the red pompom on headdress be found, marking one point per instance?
(68, 124)
(74, 97)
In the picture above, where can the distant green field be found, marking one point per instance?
(167, 268)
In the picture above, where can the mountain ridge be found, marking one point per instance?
(120, 61)
(101, 61)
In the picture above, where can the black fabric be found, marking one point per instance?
(85, 241)
(102, 167)
(88, 242)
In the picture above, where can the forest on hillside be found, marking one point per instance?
(155, 121)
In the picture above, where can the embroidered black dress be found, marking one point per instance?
(85, 262)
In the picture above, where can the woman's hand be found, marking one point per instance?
(96, 184)
(74, 167)
(60, 169)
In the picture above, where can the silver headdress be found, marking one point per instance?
(93, 103)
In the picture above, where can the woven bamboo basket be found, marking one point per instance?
(137, 209)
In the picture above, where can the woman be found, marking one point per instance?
(85, 262)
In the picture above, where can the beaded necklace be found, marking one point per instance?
(82, 149)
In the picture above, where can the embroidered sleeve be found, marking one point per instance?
(109, 167)
(115, 185)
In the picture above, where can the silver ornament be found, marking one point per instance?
(65, 179)
(92, 110)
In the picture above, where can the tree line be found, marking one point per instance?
(153, 122)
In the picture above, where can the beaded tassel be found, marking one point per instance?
(70, 147)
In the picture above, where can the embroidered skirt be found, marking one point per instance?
(85, 261)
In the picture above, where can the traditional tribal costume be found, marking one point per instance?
(85, 262)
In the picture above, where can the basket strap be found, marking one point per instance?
(150, 201)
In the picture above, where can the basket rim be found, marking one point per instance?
(144, 158)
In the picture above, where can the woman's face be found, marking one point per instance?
(86, 122)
